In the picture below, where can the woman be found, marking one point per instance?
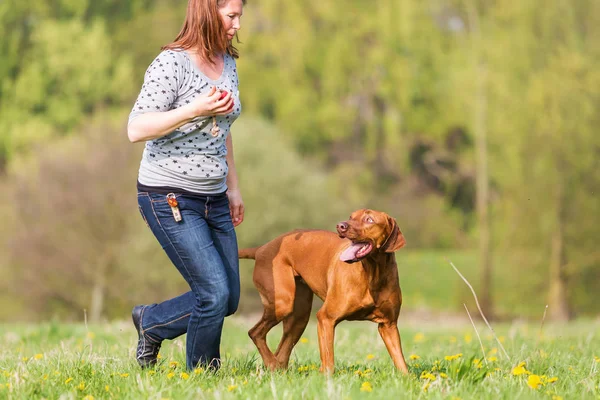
(188, 190)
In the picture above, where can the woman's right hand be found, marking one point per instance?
(209, 104)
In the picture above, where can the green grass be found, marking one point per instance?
(71, 362)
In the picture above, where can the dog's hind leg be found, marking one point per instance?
(295, 324)
(276, 286)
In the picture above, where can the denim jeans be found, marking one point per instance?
(203, 247)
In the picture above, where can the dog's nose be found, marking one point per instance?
(342, 227)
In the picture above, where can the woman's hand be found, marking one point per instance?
(236, 206)
(211, 104)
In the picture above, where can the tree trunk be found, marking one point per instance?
(483, 196)
(98, 293)
(558, 305)
(481, 161)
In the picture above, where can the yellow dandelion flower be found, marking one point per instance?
(556, 397)
(45, 377)
(68, 380)
(520, 369)
(455, 398)
(366, 387)
(24, 358)
(534, 381)
(419, 337)
(426, 386)
(552, 380)
(88, 397)
(245, 382)
(303, 340)
(231, 388)
(414, 357)
(492, 359)
(38, 356)
(468, 338)
(443, 375)
(429, 376)
(184, 376)
(124, 375)
(170, 375)
(159, 356)
(543, 354)
(453, 357)
(597, 359)
(493, 351)
(81, 386)
(370, 356)
(91, 335)
(107, 388)
(501, 339)
(173, 364)
(151, 372)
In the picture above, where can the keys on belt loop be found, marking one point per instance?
(172, 200)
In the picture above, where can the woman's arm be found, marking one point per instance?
(236, 204)
(153, 125)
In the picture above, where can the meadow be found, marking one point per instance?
(79, 361)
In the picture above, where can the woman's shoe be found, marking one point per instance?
(147, 349)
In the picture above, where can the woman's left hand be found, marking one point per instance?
(236, 206)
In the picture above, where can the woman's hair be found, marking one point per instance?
(203, 29)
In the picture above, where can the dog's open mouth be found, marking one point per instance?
(356, 251)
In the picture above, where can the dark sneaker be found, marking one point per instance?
(147, 349)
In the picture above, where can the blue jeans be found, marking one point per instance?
(203, 247)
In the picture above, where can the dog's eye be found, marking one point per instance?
(370, 220)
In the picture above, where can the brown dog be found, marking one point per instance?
(354, 273)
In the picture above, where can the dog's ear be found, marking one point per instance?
(396, 239)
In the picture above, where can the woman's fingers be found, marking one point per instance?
(237, 214)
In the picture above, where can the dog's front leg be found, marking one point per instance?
(391, 337)
(326, 333)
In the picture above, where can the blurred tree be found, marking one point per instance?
(546, 101)
(73, 220)
(58, 65)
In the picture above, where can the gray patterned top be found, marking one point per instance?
(188, 158)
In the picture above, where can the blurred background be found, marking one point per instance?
(472, 122)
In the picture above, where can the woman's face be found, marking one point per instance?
(231, 12)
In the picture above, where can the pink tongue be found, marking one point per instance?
(350, 253)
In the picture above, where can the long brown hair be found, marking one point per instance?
(204, 30)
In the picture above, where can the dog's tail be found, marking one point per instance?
(248, 253)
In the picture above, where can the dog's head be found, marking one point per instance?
(370, 232)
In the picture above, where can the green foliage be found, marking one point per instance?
(353, 90)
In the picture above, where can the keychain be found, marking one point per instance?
(172, 200)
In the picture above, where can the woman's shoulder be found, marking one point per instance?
(171, 54)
